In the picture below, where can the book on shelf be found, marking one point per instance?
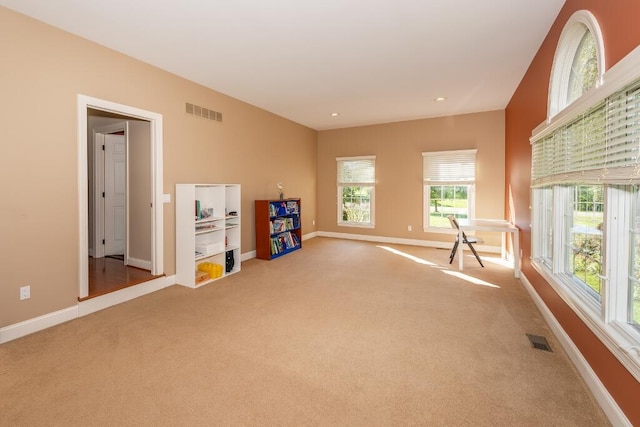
(279, 225)
(289, 207)
(284, 241)
(202, 212)
(292, 207)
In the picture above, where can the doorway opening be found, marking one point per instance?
(120, 195)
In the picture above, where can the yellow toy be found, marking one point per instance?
(214, 270)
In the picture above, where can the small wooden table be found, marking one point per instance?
(497, 225)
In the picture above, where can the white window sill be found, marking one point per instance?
(355, 224)
(443, 230)
(621, 339)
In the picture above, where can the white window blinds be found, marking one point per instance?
(449, 167)
(599, 146)
(356, 171)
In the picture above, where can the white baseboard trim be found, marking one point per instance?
(402, 241)
(601, 394)
(247, 256)
(139, 263)
(100, 303)
(309, 236)
(29, 326)
(17, 330)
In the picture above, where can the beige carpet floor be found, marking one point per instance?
(340, 333)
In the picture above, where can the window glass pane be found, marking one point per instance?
(447, 200)
(356, 204)
(546, 224)
(634, 277)
(585, 222)
(584, 70)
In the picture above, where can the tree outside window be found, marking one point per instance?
(447, 200)
(585, 237)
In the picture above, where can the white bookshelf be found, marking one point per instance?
(204, 237)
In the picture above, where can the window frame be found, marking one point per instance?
(444, 179)
(570, 38)
(581, 286)
(609, 321)
(370, 182)
(619, 305)
(609, 318)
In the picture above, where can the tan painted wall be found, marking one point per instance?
(398, 148)
(526, 110)
(41, 73)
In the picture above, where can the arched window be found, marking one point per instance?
(578, 64)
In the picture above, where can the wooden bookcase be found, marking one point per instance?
(207, 232)
(278, 227)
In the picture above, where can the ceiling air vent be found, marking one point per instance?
(205, 113)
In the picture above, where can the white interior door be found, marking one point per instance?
(115, 194)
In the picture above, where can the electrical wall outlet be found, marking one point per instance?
(409, 228)
(313, 222)
(25, 292)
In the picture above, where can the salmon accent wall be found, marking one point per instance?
(527, 109)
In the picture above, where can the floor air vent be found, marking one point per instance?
(539, 342)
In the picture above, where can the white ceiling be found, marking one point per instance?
(372, 61)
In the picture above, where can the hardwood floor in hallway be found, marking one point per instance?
(110, 274)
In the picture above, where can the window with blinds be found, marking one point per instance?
(585, 171)
(449, 186)
(449, 167)
(599, 146)
(356, 191)
(356, 170)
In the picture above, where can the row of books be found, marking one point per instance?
(283, 242)
(279, 225)
(284, 208)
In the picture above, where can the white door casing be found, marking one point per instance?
(157, 238)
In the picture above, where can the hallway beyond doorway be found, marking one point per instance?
(109, 274)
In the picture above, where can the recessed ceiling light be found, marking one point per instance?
(335, 114)
(439, 99)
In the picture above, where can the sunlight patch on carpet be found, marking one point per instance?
(498, 261)
(408, 256)
(470, 279)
